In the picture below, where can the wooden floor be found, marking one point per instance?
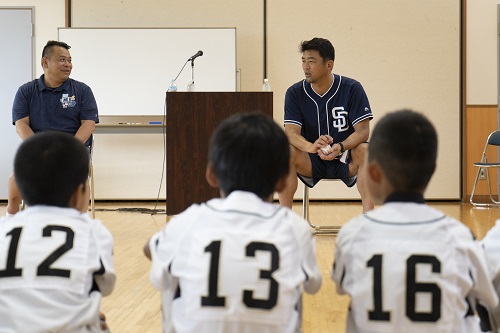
(134, 305)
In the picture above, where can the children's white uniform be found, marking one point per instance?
(55, 265)
(239, 264)
(491, 245)
(410, 268)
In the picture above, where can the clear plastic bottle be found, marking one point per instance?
(172, 86)
(266, 86)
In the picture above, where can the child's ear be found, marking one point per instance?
(281, 184)
(79, 200)
(210, 176)
(374, 172)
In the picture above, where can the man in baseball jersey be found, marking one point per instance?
(57, 262)
(327, 120)
(406, 266)
(237, 263)
(52, 102)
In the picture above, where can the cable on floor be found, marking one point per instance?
(133, 210)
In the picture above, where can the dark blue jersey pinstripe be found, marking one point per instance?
(335, 113)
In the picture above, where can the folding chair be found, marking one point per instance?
(318, 229)
(493, 140)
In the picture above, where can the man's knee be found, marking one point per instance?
(295, 157)
(300, 161)
(294, 153)
(358, 154)
(14, 193)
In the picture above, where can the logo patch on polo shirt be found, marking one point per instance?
(67, 101)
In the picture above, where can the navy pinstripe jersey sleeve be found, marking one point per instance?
(293, 114)
(359, 106)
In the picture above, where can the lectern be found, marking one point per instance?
(191, 119)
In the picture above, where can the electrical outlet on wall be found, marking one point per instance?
(482, 174)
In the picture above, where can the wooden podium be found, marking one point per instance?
(191, 119)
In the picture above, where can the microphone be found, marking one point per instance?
(198, 54)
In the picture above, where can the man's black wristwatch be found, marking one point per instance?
(342, 150)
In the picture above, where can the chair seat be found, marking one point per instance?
(487, 165)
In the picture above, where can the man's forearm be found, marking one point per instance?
(24, 131)
(85, 130)
(361, 134)
(299, 142)
(353, 141)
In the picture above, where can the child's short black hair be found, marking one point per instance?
(48, 168)
(249, 152)
(404, 143)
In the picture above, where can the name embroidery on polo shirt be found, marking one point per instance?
(67, 101)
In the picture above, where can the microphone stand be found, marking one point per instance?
(190, 86)
(175, 80)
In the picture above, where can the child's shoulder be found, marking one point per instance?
(407, 216)
(493, 235)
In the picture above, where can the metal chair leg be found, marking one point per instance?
(318, 229)
(91, 176)
(494, 203)
(474, 189)
(92, 198)
(305, 205)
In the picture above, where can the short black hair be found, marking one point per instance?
(48, 168)
(323, 46)
(249, 152)
(49, 47)
(405, 143)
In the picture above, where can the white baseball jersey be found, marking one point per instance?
(410, 268)
(491, 245)
(54, 265)
(234, 265)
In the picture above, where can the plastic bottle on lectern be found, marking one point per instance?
(266, 86)
(173, 86)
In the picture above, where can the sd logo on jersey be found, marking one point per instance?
(67, 101)
(340, 119)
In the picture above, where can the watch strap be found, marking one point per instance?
(342, 150)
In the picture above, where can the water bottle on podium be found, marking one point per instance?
(266, 86)
(172, 86)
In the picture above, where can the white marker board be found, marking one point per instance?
(129, 69)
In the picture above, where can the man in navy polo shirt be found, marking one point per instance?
(327, 120)
(53, 102)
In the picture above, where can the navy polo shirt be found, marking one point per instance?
(58, 109)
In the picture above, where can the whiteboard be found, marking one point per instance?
(129, 69)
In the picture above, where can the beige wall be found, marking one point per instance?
(482, 63)
(406, 54)
(245, 16)
(139, 180)
(481, 86)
